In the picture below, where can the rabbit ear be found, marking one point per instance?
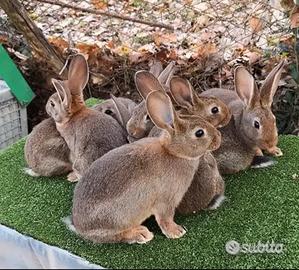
(245, 87)
(78, 74)
(159, 108)
(123, 114)
(146, 83)
(156, 68)
(63, 92)
(270, 85)
(170, 75)
(182, 92)
(166, 73)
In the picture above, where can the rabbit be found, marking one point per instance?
(109, 107)
(119, 108)
(206, 191)
(253, 126)
(212, 109)
(88, 133)
(140, 124)
(136, 121)
(207, 187)
(148, 177)
(132, 118)
(46, 152)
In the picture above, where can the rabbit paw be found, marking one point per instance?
(31, 172)
(139, 235)
(275, 151)
(172, 230)
(72, 177)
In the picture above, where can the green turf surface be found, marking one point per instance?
(262, 205)
(92, 101)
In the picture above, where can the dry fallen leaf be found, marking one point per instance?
(204, 50)
(188, 2)
(3, 39)
(201, 22)
(58, 43)
(91, 50)
(256, 24)
(97, 78)
(100, 4)
(111, 44)
(207, 35)
(294, 17)
(123, 50)
(287, 4)
(161, 38)
(173, 55)
(252, 56)
(137, 57)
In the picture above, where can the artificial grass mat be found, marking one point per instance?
(262, 205)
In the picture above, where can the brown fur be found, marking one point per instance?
(206, 185)
(140, 124)
(207, 182)
(149, 177)
(101, 134)
(118, 107)
(192, 104)
(46, 152)
(88, 133)
(241, 140)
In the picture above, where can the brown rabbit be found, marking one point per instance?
(46, 152)
(118, 107)
(206, 191)
(88, 133)
(140, 124)
(148, 177)
(207, 187)
(211, 109)
(252, 128)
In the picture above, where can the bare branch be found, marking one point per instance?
(107, 14)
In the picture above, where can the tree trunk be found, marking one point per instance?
(34, 36)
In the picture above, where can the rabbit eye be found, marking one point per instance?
(199, 133)
(52, 103)
(215, 110)
(256, 124)
(109, 112)
(148, 118)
